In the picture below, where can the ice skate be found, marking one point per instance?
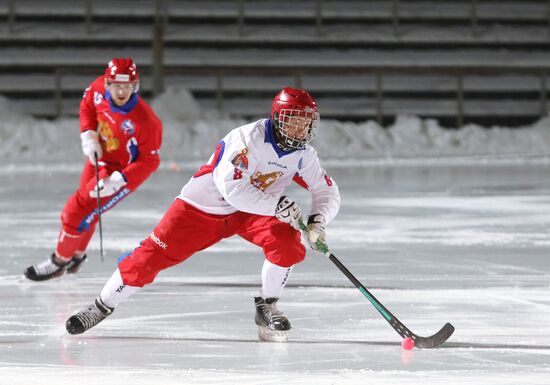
(52, 268)
(89, 317)
(273, 325)
(48, 269)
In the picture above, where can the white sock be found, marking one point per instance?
(115, 291)
(274, 279)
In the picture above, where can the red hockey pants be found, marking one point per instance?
(184, 230)
(79, 216)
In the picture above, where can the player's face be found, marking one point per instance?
(121, 92)
(297, 127)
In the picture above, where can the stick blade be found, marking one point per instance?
(437, 339)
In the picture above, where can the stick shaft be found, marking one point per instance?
(372, 299)
(98, 207)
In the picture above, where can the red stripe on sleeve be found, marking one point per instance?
(209, 168)
(298, 179)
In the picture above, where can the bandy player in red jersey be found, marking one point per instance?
(124, 132)
(240, 191)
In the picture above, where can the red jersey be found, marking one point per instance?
(130, 135)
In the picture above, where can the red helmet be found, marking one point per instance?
(290, 105)
(122, 70)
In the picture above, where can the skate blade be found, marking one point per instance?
(266, 334)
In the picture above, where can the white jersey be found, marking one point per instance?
(249, 173)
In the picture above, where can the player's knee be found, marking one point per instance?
(138, 278)
(135, 271)
(285, 248)
(287, 256)
(141, 267)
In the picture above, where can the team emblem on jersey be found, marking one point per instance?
(241, 160)
(128, 127)
(107, 139)
(263, 181)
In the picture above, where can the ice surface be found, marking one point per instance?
(466, 244)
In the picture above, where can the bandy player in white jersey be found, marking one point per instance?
(240, 191)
